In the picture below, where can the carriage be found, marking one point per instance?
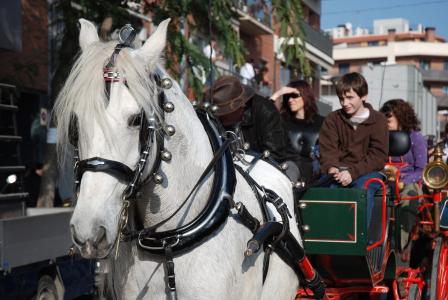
(383, 259)
(172, 214)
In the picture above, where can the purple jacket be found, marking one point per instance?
(415, 160)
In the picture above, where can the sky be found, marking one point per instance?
(361, 13)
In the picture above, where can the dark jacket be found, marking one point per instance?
(303, 136)
(362, 150)
(263, 128)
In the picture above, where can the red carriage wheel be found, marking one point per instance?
(439, 273)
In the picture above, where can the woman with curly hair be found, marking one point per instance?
(401, 116)
(297, 104)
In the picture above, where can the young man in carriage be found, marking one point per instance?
(354, 140)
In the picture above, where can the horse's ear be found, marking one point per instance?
(154, 45)
(87, 34)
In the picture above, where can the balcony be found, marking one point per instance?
(318, 39)
(254, 16)
(435, 75)
(314, 5)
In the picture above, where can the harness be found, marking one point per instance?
(274, 236)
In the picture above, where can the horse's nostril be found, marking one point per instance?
(101, 237)
(75, 238)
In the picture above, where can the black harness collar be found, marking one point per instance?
(218, 206)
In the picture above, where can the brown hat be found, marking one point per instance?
(229, 94)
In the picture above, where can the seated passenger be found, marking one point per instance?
(241, 109)
(354, 140)
(297, 105)
(401, 116)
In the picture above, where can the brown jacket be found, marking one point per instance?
(362, 150)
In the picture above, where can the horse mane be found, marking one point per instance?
(83, 95)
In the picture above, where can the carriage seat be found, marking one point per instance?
(399, 143)
(303, 140)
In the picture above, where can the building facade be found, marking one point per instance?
(260, 35)
(393, 42)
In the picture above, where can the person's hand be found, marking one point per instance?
(333, 170)
(343, 177)
(282, 91)
(276, 97)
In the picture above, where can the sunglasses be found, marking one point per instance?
(293, 95)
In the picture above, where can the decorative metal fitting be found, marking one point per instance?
(158, 178)
(214, 108)
(266, 153)
(246, 146)
(306, 228)
(168, 107)
(238, 205)
(206, 105)
(170, 130)
(302, 205)
(195, 103)
(299, 184)
(152, 121)
(284, 166)
(166, 83)
(166, 155)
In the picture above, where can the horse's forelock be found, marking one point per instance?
(83, 93)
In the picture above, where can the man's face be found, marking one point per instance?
(233, 118)
(351, 103)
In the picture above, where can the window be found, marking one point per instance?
(373, 43)
(424, 64)
(344, 68)
(445, 65)
(445, 89)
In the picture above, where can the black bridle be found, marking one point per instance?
(151, 133)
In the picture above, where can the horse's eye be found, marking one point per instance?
(135, 120)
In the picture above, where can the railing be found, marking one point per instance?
(318, 39)
(434, 75)
(258, 9)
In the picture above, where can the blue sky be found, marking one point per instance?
(430, 13)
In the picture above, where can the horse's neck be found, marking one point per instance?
(191, 153)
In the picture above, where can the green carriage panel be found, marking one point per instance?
(335, 221)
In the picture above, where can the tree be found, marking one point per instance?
(183, 56)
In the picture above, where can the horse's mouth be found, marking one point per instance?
(97, 247)
(91, 251)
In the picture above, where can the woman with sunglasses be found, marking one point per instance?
(297, 104)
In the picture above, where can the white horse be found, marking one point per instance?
(108, 127)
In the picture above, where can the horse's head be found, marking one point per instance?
(106, 115)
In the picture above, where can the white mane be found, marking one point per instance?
(84, 95)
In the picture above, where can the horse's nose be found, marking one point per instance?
(101, 236)
(76, 240)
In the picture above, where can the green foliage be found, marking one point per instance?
(289, 16)
(184, 55)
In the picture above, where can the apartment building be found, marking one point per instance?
(259, 33)
(393, 41)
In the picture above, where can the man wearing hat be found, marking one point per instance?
(256, 116)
